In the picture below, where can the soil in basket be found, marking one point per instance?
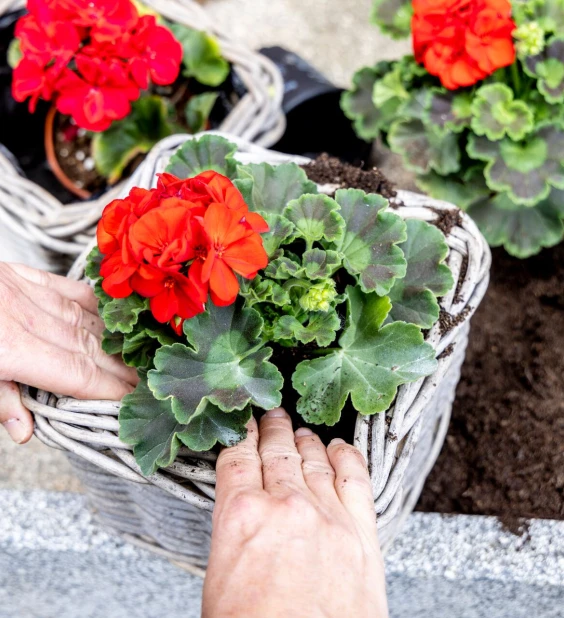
(504, 453)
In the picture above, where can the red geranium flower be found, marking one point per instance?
(31, 79)
(60, 44)
(154, 53)
(99, 96)
(108, 18)
(231, 248)
(462, 41)
(172, 294)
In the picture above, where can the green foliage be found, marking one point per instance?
(369, 243)
(210, 152)
(14, 54)
(198, 110)
(448, 111)
(548, 68)
(526, 170)
(202, 57)
(370, 363)
(198, 389)
(114, 149)
(414, 297)
(496, 114)
(393, 17)
(225, 362)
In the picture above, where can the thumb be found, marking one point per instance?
(14, 417)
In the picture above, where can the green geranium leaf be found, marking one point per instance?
(549, 15)
(93, 262)
(319, 264)
(321, 327)
(210, 425)
(14, 54)
(112, 343)
(414, 297)
(548, 68)
(198, 110)
(315, 217)
(114, 149)
(523, 231)
(423, 149)
(267, 189)
(209, 152)
(227, 364)
(525, 170)
(202, 57)
(390, 89)
(458, 189)
(448, 111)
(150, 427)
(260, 290)
(496, 114)
(369, 366)
(140, 346)
(393, 17)
(369, 244)
(357, 103)
(283, 268)
(122, 314)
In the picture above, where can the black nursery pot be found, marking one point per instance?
(315, 121)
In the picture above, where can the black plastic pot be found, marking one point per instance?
(315, 121)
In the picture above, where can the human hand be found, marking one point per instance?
(294, 529)
(50, 338)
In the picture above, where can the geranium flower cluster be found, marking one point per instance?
(462, 41)
(91, 58)
(180, 242)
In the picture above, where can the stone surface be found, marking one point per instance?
(55, 563)
(335, 36)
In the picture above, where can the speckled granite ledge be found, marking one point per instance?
(54, 562)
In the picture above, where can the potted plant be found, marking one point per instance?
(260, 290)
(477, 112)
(103, 84)
(477, 116)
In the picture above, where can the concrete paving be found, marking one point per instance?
(55, 563)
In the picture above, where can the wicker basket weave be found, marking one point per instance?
(39, 218)
(171, 510)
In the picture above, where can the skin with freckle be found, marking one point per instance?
(294, 529)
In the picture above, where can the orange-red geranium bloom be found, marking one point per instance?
(462, 41)
(172, 295)
(232, 247)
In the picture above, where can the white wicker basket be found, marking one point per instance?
(170, 511)
(38, 218)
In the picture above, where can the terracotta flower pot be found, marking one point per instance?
(53, 161)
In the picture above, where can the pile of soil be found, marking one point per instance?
(504, 453)
(330, 170)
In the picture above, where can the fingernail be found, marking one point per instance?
(337, 441)
(16, 430)
(276, 413)
(303, 431)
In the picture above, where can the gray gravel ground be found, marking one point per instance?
(55, 563)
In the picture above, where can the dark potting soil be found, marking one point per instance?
(504, 452)
(329, 170)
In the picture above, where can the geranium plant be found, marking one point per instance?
(227, 283)
(477, 112)
(105, 64)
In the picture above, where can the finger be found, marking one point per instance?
(73, 290)
(53, 303)
(14, 417)
(317, 469)
(49, 367)
(239, 467)
(352, 482)
(75, 339)
(281, 462)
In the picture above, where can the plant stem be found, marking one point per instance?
(516, 78)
